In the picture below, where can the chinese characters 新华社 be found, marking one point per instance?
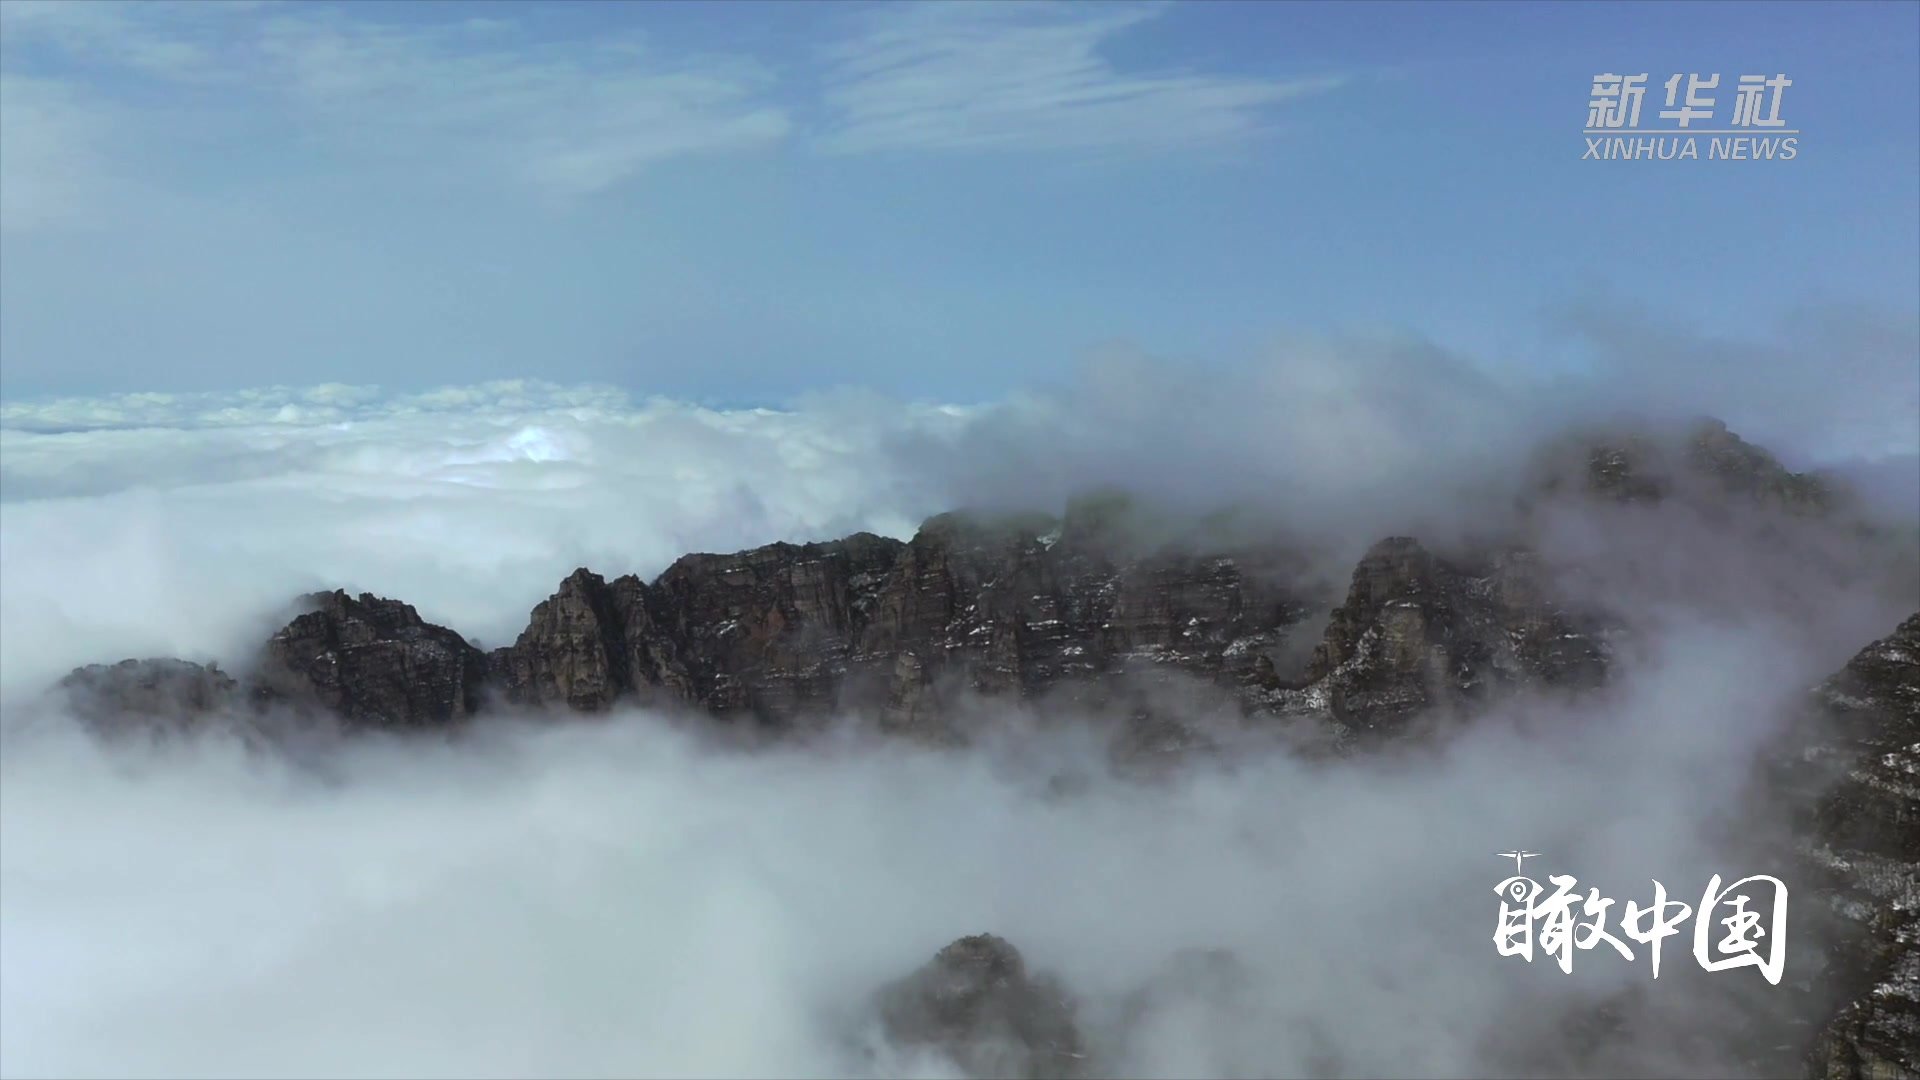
(1614, 102)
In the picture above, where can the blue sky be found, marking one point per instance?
(742, 202)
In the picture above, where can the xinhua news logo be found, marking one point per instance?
(1692, 125)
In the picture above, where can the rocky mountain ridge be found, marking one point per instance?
(1091, 608)
(783, 634)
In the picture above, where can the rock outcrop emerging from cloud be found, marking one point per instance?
(976, 1004)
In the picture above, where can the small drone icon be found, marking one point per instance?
(1519, 857)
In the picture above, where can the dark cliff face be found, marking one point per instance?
(1017, 608)
(1861, 742)
(774, 632)
(1073, 611)
(1872, 713)
(1418, 631)
(1031, 609)
(587, 646)
(769, 633)
(372, 662)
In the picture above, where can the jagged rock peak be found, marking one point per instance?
(767, 632)
(1419, 630)
(575, 649)
(372, 662)
(365, 661)
(976, 1003)
(1016, 604)
(1744, 468)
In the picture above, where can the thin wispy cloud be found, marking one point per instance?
(565, 116)
(1029, 77)
(570, 118)
(174, 40)
(441, 98)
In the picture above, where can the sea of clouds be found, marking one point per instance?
(623, 898)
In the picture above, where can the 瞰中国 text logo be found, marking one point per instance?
(1695, 126)
(1726, 932)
